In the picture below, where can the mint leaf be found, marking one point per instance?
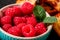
(51, 19)
(39, 13)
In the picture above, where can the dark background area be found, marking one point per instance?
(52, 36)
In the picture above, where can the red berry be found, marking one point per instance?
(24, 19)
(32, 15)
(17, 20)
(13, 11)
(9, 12)
(31, 20)
(27, 8)
(28, 30)
(6, 27)
(21, 25)
(6, 20)
(17, 10)
(14, 31)
(40, 28)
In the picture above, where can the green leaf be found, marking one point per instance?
(39, 13)
(51, 19)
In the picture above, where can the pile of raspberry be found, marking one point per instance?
(20, 21)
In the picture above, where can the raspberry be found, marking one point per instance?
(28, 30)
(6, 27)
(32, 15)
(21, 25)
(24, 19)
(6, 20)
(14, 31)
(40, 28)
(17, 20)
(17, 10)
(9, 12)
(31, 20)
(13, 11)
(27, 8)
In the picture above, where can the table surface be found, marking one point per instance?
(52, 36)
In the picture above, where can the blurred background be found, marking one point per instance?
(52, 36)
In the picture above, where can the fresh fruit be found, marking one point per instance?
(40, 28)
(32, 15)
(27, 8)
(17, 20)
(9, 12)
(13, 11)
(17, 10)
(24, 19)
(28, 30)
(6, 27)
(21, 25)
(31, 20)
(6, 20)
(14, 31)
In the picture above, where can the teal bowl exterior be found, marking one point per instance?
(6, 36)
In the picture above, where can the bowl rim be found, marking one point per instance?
(48, 28)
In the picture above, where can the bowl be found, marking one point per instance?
(6, 36)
